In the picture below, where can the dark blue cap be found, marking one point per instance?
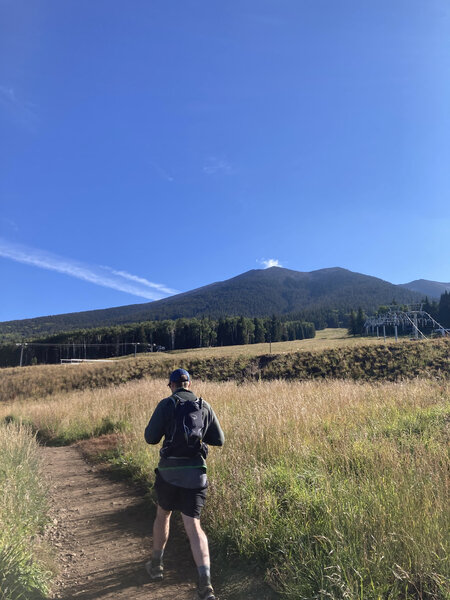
(179, 375)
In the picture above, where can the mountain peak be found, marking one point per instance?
(256, 293)
(431, 289)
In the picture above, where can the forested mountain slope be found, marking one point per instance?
(256, 293)
(432, 289)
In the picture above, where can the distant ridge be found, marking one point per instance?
(259, 292)
(432, 289)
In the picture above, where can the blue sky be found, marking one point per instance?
(149, 147)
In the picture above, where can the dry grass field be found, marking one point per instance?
(331, 355)
(339, 489)
(325, 339)
(333, 478)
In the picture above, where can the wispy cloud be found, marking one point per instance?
(99, 275)
(7, 94)
(19, 110)
(158, 286)
(270, 20)
(270, 262)
(9, 224)
(215, 164)
(162, 172)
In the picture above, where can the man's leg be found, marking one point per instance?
(198, 541)
(161, 528)
(200, 552)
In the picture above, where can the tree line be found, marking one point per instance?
(150, 336)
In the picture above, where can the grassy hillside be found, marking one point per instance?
(337, 489)
(333, 477)
(329, 357)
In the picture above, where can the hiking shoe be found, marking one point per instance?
(155, 570)
(205, 593)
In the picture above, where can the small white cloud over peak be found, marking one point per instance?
(270, 262)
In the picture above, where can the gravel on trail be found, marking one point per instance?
(102, 534)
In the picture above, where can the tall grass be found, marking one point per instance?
(339, 489)
(23, 514)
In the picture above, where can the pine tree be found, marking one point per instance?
(241, 331)
(352, 323)
(360, 320)
(275, 329)
(444, 309)
(260, 331)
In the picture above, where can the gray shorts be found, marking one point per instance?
(171, 497)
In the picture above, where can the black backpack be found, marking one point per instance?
(187, 433)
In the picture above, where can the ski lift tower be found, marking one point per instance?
(408, 317)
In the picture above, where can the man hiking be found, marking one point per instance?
(188, 424)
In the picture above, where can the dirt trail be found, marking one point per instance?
(102, 531)
(103, 535)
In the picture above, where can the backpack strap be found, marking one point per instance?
(176, 399)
